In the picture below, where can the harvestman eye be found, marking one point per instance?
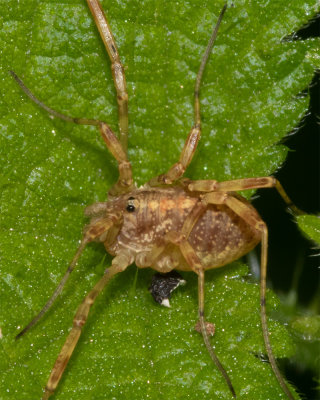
(180, 216)
(130, 207)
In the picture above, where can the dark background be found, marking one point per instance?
(297, 282)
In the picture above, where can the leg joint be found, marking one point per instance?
(78, 323)
(176, 238)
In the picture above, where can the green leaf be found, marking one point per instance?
(307, 332)
(310, 225)
(131, 347)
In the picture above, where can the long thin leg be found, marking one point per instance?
(57, 291)
(92, 233)
(178, 169)
(116, 68)
(253, 220)
(243, 184)
(193, 260)
(118, 265)
(125, 181)
(205, 333)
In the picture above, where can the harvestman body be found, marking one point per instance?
(169, 223)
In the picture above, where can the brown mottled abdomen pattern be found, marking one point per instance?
(221, 236)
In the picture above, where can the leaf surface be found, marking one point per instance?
(310, 225)
(132, 348)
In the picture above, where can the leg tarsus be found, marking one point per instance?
(203, 64)
(195, 264)
(125, 181)
(57, 291)
(92, 233)
(252, 218)
(178, 169)
(205, 334)
(51, 111)
(264, 321)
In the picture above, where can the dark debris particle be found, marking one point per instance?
(162, 285)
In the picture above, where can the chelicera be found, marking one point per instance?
(169, 223)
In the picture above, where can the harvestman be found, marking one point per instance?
(169, 223)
